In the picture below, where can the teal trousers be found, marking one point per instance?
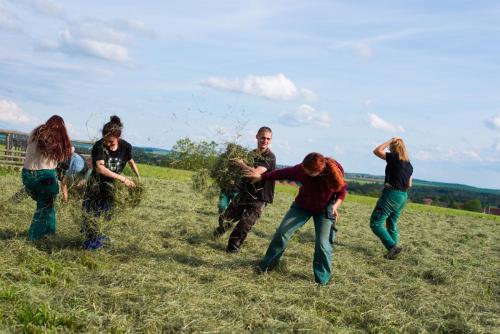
(42, 186)
(324, 227)
(224, 199)
(384, 218)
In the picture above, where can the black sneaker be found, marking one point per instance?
(392, 254)
(218, 233)
(232, 249)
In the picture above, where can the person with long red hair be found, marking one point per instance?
(48, 144)
(321, 192)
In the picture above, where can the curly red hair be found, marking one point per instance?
(52, 139)
(330, 172)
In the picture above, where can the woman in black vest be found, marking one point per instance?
(398, 177)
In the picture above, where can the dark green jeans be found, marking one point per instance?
(384, 219)
(42, 186)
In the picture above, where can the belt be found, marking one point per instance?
(389, 186)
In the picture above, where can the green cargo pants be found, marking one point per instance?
(42, 186)
(384, 219)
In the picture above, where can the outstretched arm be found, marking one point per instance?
(101, 169)
(247, 169)
(379, 151)
(133, 165)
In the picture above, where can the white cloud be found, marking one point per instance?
(365, 47)
(275, 87)
(90, 47)
(493, 122)
(472, 155)
(306, 115)
(378, 123)
(10, 112)
(46, 7)
(8, 21)
(99, 39)
(423, 155)
(362, 49)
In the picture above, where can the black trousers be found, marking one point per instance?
(246, 213)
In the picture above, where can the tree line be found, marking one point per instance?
(190, 155)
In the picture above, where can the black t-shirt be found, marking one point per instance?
(397, 172)
(115, 161)
(263, 190)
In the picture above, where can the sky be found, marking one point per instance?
(336, 77)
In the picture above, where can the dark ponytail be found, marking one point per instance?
(113, 128)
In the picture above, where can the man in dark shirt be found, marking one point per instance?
(247, 207)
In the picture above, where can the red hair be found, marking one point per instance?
(52, 139)
(330, 171)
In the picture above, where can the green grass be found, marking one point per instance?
(164, 273)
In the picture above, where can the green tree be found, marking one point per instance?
(190, 155)
(473, 205)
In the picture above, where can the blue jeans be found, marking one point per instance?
(324, 227)
(42, 186)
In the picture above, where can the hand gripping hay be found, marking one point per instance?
(225, 173)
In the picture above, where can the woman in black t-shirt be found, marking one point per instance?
(109, 157)
(398, 178)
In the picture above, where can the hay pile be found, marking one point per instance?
(225, 173)
(124, 199)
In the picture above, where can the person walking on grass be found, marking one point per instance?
(321, 193)
(48, 144)
(251, 199)
(109, 157)
(398, 179)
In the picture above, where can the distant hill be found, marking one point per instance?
(417, 182)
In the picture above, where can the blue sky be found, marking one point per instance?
(338, 77)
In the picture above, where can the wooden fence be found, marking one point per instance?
(14, 144)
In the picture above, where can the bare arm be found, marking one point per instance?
(133, 165)
(410, 182)
(379, 151)
(101, 169)
(251, 170)
(335, 208)
(64, 188)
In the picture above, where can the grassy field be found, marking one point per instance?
(163, 273)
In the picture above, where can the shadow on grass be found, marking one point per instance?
(7, 234)
(359, 248)
(58, 242)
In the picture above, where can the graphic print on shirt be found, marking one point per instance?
(114, 164)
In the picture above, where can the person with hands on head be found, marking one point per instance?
(321, 193)
(398, 179)
(48, 144)
(248, 204)
(109, 157)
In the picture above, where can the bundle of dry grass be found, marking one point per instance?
(128, 198)
(225, 173)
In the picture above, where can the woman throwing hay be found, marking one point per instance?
(109, 157)
(48, 144)
(398, 177)
(321, 192)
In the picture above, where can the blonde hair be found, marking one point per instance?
(398, 146)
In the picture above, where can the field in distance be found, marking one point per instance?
(163, 272)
